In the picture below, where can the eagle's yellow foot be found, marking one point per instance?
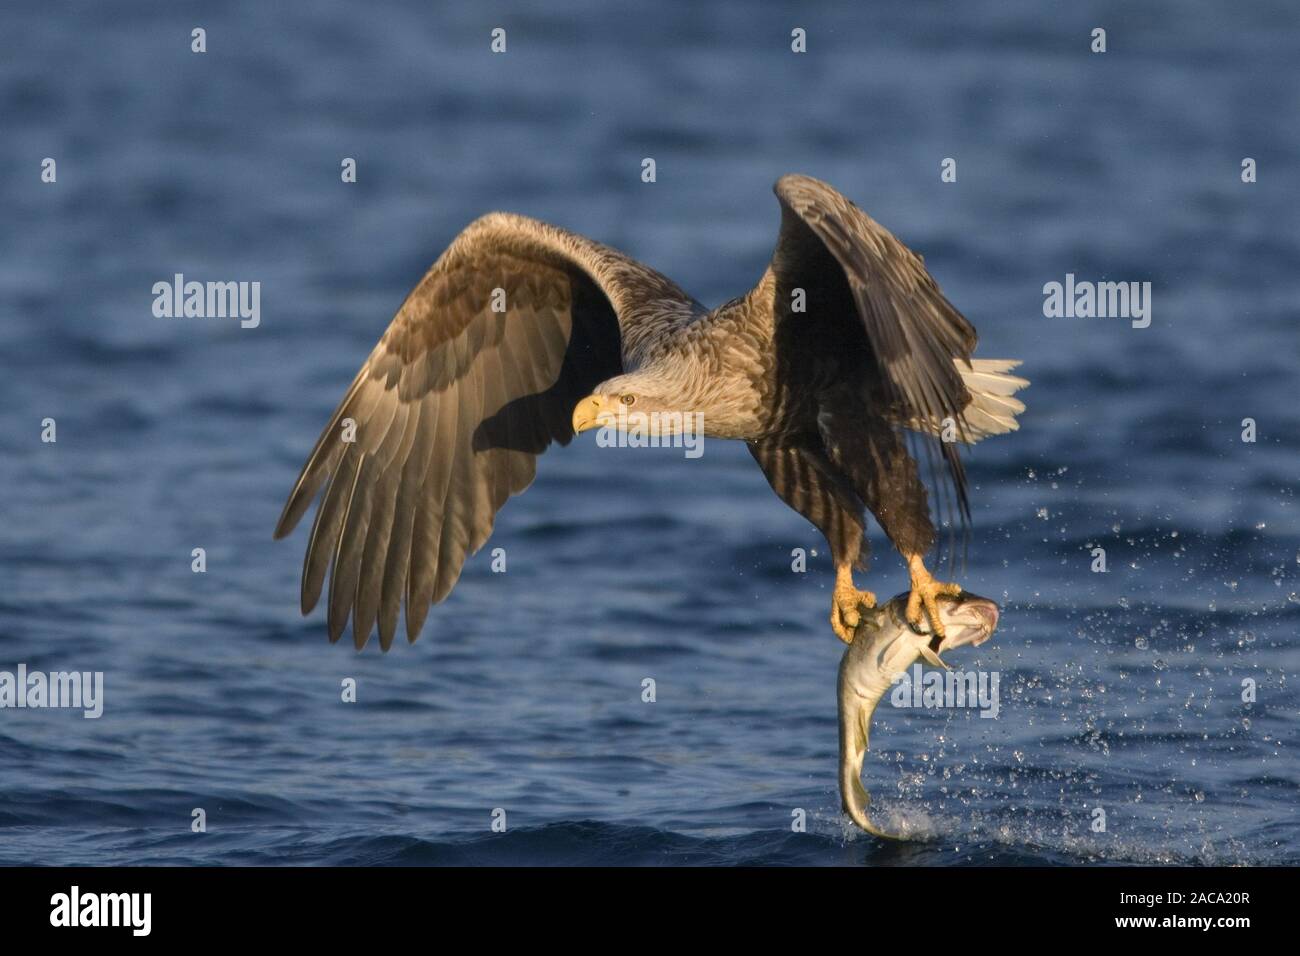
(925, 593)
(845, 604)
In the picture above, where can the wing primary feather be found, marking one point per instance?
(342, 579)
(398, 557)
(325, 531)
(370, 574)
(320, 463)
(429, 522)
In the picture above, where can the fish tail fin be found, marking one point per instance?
(856, 800)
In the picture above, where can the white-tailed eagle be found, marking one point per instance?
(523, 334)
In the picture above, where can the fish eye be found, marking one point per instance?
(627, 399)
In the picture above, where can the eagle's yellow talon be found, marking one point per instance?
(845, 604)
(925, 594)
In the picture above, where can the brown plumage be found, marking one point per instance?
(458, 399)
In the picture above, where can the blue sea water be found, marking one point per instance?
(1120, 691)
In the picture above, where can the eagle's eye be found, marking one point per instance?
(627, 399)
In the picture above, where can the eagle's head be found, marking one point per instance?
(640, 400)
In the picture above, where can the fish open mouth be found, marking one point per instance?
(962, 634)
(974, 623)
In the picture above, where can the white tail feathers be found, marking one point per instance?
(993, 409)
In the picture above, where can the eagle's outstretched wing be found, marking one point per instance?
(917, 343)
(477, 374)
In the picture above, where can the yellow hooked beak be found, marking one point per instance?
(587, 413)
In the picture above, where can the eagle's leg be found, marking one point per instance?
(845, 602)
(925, 593)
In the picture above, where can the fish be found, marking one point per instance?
(884, 646)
